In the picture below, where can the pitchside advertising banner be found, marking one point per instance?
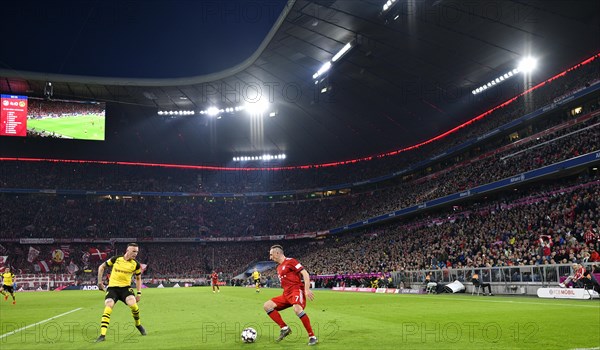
(567, 293)
(378, 290)
(82, 287)
(13, 115)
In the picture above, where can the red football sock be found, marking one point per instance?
(306, 322)
(275, 316)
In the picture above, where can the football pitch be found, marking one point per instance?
(81, 127)
(195, 318)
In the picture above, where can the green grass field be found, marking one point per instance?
(83, 127)
(195, 318)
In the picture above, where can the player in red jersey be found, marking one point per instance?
(295, 291)
(214, 281)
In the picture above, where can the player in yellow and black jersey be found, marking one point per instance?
(119, 287)
(256, 278)
(6, 288)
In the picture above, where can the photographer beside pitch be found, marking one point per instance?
(119, 287)
(290, 272)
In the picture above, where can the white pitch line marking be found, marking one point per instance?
(35, 324)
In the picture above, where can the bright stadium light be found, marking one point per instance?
(526, 65)
(212, 111)
(184, 112)
(388, 4)
(262, 157)
(327, 65)
(324, 68)
(257, 107)
(342, 52)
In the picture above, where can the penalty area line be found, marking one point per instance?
(38, 323)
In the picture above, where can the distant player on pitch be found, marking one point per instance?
(6, 288)
(256, 278)
(214, 281)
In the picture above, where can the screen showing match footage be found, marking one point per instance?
(65, 119)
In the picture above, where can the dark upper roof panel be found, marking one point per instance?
(408, 78)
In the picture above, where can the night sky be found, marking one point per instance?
(136, 39)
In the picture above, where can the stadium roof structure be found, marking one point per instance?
(408, 76)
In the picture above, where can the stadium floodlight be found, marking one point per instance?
(184, 112)
(527, 65)
(212, 111)
(324, 68)
(342, 52)
(388, 4)
(327, 65)
(256, 108)
(264, 157)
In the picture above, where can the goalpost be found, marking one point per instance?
(32, 284)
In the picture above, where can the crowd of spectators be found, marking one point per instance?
(512, 230)
(501, 233)
(105, 217)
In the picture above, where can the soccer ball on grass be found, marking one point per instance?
(249, 335)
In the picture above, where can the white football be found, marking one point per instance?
(249, 335)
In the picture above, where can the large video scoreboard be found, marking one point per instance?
(24, 116)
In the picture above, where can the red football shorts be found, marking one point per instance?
(290, 298)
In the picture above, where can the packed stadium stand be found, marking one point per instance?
(218, 220)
